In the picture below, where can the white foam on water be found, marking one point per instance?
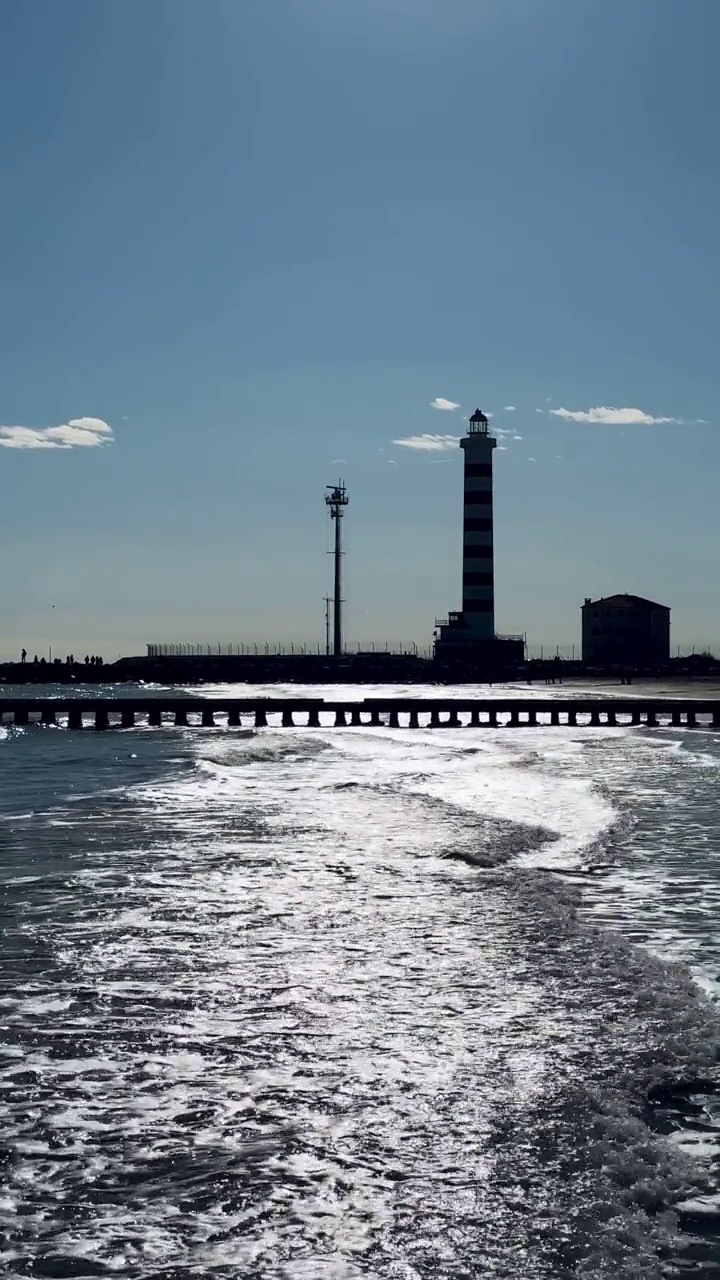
(303, 1039)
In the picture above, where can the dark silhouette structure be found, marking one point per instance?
(625, 630)
(469, 634)
(337, 500)
(395, 712)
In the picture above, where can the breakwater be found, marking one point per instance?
(394, 712)
(307, 669)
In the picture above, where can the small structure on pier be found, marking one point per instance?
(625, 630)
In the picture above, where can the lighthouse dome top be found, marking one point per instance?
(478, 422)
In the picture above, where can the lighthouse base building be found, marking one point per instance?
(467, 636)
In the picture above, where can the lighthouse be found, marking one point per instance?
(478, 575)
(469, 633)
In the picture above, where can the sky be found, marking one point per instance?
(246, 249)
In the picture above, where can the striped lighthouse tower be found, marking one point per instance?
(478, 588)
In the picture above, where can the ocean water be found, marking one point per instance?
(343, 1003)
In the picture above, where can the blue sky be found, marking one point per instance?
(242, 242)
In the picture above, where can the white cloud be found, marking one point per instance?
(510, 408)
(532, 459)
(517, 437)
(447, 406)
(429, 442)
(539, 410)
(78, 433)
(611, 417)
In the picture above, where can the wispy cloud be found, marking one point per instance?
(532, 459)
(447, 406)
(428, 442)
(610, 417)
(539, 410)
(510, 408)
(78, 433)
(517, 437)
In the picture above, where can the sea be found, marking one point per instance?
(360, 1004)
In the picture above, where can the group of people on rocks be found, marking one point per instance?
(93, 660)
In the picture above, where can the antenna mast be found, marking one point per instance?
(337, 500)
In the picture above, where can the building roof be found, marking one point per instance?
(623, 600)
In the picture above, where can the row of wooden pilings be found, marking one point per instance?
(393, 712)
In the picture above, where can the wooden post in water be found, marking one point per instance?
(22, 716)
(47, 715)
(313, 718)
(375, 718)
(452, 720)
(127, 718)
(651, 718)
(572, 716)
(594, 717)
(234, 718)
(532, 716)
(514, 718)
(102, 720)
(434, 718)
(413, 722)
(393, 720)
(208, 718)
(355, 716)
(492, 718)
(636, 716)
(287, 718)
(691, 719)
(155, 717)
(75, 720)
(340, 720)
(555, 717)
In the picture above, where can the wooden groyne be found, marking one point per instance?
(411, 713)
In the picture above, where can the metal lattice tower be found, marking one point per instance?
(337, 499)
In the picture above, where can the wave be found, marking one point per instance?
(326, 1017)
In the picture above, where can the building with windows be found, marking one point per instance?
(625, 630)
(468, 634)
